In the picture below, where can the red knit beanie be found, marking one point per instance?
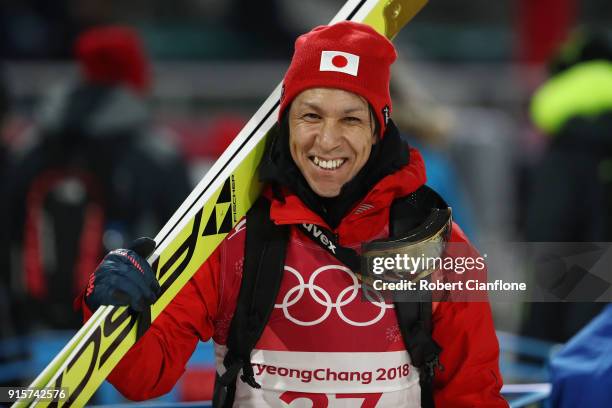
(346, 55)
(113, 55)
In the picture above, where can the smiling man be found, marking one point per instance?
(284, 308)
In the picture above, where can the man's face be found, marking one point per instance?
(331, 133)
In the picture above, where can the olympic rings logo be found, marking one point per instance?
(322, 297)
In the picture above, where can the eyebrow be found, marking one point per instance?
(347, 111)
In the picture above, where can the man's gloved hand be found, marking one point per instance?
(124, 278)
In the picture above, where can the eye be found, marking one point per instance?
(311, 116)
(352, 120)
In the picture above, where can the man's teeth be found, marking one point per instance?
(328, 164)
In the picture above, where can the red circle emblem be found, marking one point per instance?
(339, 61)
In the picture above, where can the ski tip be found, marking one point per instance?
(389, 17)
(397, 13)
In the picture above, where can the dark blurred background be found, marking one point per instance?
(198, 69)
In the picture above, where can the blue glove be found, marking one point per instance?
(125, 278)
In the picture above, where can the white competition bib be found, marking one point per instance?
(328, 379)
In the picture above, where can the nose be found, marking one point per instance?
(330, 136)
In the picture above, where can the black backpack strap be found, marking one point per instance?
(326, 239)
(262, 274)
(415, 318)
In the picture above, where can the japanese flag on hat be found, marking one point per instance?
(346, 55)
(340, 62)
